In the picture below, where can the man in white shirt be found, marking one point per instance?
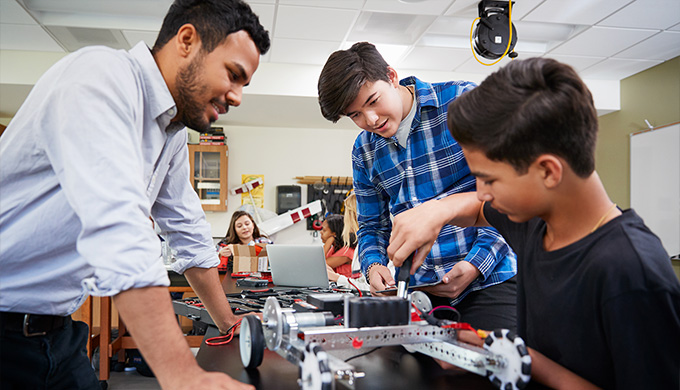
(96, 149)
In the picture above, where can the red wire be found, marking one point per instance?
(360, 294)
(221, 340)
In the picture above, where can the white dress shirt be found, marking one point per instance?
(89, 156)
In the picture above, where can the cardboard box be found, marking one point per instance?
(246, 258)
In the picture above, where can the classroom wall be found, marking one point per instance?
(653, 94)
(280, 154)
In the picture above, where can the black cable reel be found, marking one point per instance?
(492, 33)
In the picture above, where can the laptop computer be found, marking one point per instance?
(298, 265)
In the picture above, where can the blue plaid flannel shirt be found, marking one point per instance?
(389, 179)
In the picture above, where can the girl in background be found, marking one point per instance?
(351, 225)
(339, 253)
(242, 231)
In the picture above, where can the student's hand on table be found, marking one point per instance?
(381, 279)
(455, 281)
(415, 230)
(332, 275)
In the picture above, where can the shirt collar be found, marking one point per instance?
(157, 96)
(425, 94)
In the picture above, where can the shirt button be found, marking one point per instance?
(172, 112)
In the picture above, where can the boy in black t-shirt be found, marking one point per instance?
(598, 302)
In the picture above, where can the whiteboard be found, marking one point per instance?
(655, 182)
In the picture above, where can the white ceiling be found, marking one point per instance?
(601, 39)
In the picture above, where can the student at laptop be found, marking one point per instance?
(404, 158)
(339, 253)
(598, 300)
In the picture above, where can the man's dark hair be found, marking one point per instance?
(525, 109)
(214, 20)
(344, 74)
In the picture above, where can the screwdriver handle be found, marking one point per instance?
(405, 269)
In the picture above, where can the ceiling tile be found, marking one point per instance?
(346, 4)
(473, 66)
(322, 24)
(433, 58)
(574, 11)
(265, 12)
(579, 63)
(470, 9)
(451, 25)
(25, 37)
(396, 29)
(662, 46)
(298, 51)
(11, 12)
(617, 69)
(427, 7)
(659, 14)
(602, 41)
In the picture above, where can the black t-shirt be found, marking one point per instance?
(606, 307)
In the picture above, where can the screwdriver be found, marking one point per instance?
(404, 276)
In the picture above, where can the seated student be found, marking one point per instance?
(597, 299)
(339, 253)
(357, 279)
(242, 231)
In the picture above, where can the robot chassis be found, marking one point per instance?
(302, 338)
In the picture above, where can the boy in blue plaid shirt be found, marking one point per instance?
(404, 158)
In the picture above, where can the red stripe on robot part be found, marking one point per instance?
(256, 184)
(296, 217)
(238, 191)
(306, 213)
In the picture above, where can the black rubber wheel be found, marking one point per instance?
(251, 342)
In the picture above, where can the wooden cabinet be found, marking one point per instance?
(209, 175)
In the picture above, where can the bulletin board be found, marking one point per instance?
(655, 182)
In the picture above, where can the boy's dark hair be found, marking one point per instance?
(214, 20)
(232, 237)
(344, 74)
(525, 109)
(336, 223)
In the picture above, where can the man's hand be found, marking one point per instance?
(207, 380)
(415, 230)
(455, 281)
(380, 278)
(240, 318)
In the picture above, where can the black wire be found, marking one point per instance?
(362, 354)
(448, 308)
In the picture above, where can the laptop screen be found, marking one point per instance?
(298, 265)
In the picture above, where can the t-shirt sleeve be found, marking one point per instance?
(645, 347)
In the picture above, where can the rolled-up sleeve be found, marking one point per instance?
(99, 164)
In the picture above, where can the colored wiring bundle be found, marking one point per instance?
(226, 338)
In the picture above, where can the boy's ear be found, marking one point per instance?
(392, 74)
(550, 168)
